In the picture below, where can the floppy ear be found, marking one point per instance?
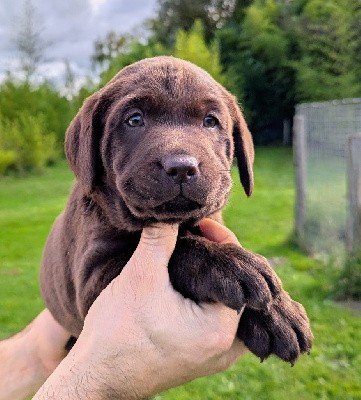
(243, 148)
(82, 144)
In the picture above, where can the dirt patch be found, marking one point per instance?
(352, 305)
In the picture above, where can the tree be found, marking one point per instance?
(256, 53)
(356, 29)
(135, 51)
(175, 15)
(45, 100)
(69, 81)
(191, 46)
(29, 40)
(329, 47)
(110, 47)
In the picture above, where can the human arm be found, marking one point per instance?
(141, 337)
(28, 358)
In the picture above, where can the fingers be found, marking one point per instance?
(157, 244)
(221, 345)
(216, 232)
(148, 265)
(237, 350)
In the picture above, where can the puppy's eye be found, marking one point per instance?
(135, 120)
(210, 121)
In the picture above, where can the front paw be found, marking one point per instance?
(283, 330)
(210, 272)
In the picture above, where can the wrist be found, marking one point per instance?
(22, 373)
(89, 374)
(120, 370)
(72, 380)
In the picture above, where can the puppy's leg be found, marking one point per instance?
(206, 271)
(272, 322)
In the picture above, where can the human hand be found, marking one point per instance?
(28, 358)
(141, 337)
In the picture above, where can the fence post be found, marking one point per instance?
(299, 157)
(354, 194)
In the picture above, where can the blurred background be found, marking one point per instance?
(295, 67)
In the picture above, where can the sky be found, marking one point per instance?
(70, 28)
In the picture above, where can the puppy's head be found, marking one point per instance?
(157, 143)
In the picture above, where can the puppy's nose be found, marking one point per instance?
(181, 168)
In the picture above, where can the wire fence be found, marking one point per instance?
(322, 145)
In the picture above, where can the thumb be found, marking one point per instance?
(157, 243)
(152, 254)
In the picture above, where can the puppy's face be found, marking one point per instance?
(158, 143)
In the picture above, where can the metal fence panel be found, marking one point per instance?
(324, 210)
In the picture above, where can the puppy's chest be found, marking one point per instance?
(106, 251)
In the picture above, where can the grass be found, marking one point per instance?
(264, 224)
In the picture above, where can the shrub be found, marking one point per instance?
(348, 281)
(7, 160)
(18, 97)
(191, 46)
(25, 143)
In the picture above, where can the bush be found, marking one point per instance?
(7, 160)
(191, 46)
(348, 281)
(25, 143)
(19, 97)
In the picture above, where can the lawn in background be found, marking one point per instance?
(263, 223)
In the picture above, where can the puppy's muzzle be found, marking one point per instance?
(181, 168)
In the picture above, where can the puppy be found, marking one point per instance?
(157, 144)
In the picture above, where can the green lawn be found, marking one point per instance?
(263, 223)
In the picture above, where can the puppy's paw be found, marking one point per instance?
(283, 330)
(209, 272)
(259, 282)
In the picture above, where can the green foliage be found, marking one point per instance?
(7, 160)
(257, 53)
(110, 47)
(173, 16)
(56, 110)
(135, 51)
(191, 46)
(33, 122)
(25, 143)
(328, 43)
(262, 32)
(348, 280)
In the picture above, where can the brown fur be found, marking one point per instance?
(131, 176)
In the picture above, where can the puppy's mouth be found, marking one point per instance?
(178, 205)
(178, 209)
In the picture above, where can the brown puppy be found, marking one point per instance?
(156, 144)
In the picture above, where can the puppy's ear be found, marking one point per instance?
(243, 147)
(82, 144)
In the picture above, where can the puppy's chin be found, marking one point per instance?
(179, 206)
(179, 210)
